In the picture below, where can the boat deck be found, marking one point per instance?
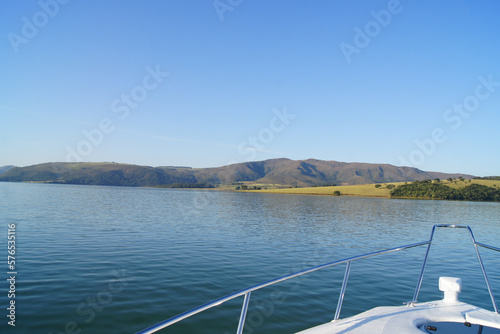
(432, 317)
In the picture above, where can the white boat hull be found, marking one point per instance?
(441, 316)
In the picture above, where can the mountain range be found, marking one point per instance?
(280, 172)
(4, 169)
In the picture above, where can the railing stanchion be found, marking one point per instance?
(492, 297)
(421, 277)
(342, 291)
(243, 314)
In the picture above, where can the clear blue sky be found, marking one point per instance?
(208, 83)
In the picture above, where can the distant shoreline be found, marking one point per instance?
(377, 190)
(372, 190)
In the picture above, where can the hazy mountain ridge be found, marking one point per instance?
(4, 169)
(286, 172)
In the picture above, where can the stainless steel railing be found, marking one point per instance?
(247, 292)
(475, 244)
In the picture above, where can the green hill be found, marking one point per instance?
(92, 174)
(281, 172)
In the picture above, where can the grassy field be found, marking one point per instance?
(367, 190)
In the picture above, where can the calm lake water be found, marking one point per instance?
(94, 259)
